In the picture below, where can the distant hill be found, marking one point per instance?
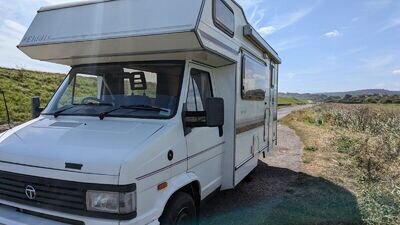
(323, 96)
(363, 92)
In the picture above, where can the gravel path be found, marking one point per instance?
(289, 151)
(252, 200)
(282, 112)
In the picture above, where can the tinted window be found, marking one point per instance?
(224, 17)
(254, 80)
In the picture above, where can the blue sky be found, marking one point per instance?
(326, 45)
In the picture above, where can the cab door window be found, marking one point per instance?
(199, 90)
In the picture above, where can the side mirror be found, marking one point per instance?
(36, 110)
(215, 112)
(213, 116)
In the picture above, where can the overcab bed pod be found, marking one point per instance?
(106, 31)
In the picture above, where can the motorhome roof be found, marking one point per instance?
(180, 26)
(249, 31)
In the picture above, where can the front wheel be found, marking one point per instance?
(180, 210)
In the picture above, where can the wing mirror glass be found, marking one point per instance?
(213, 116)
(214, 112)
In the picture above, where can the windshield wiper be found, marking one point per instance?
(146, 107)
(58, 113)
(98, 104)
(133, 107)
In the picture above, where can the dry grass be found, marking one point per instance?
(357, 147)
(322, 161)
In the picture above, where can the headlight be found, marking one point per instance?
(111, 202)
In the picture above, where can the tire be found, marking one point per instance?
(180, 210)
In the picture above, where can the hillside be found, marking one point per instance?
(20, 86)
(363, 92)
(290, 101)
(319, 97)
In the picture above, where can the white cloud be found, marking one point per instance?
(291, 75)
(396, 72)
(332, 34)
(267, 30)
(246, 4)
(377, 4)
(355, 50)
(14, 26)
(391, 24)
(283, 21)
(378, 64)
(388, 85)
(289, 43)
(254, 11)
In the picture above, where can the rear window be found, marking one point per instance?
(224, 17)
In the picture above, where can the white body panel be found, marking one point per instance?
(111, 20)
(126, 151)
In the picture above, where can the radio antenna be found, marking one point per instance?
(7, 112)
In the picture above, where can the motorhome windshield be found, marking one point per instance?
(141, 90)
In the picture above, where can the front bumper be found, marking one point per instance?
(9, 216)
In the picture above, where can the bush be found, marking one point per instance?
(380, 206)
(310, 148)
(370, 136)
(345, 144)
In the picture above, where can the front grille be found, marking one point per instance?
(58, 195)
(49, 193)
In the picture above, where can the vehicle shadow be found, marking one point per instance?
(273, 196)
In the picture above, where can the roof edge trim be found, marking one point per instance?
(72, 4)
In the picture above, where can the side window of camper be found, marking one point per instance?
(199, 90)
(254, 79)
(224, 17)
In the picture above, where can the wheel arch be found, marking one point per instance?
(188, 183)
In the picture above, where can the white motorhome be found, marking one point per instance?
(166, 103)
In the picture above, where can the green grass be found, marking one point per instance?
(290, 101)
(20, 86)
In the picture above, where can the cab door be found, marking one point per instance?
(204, 144)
